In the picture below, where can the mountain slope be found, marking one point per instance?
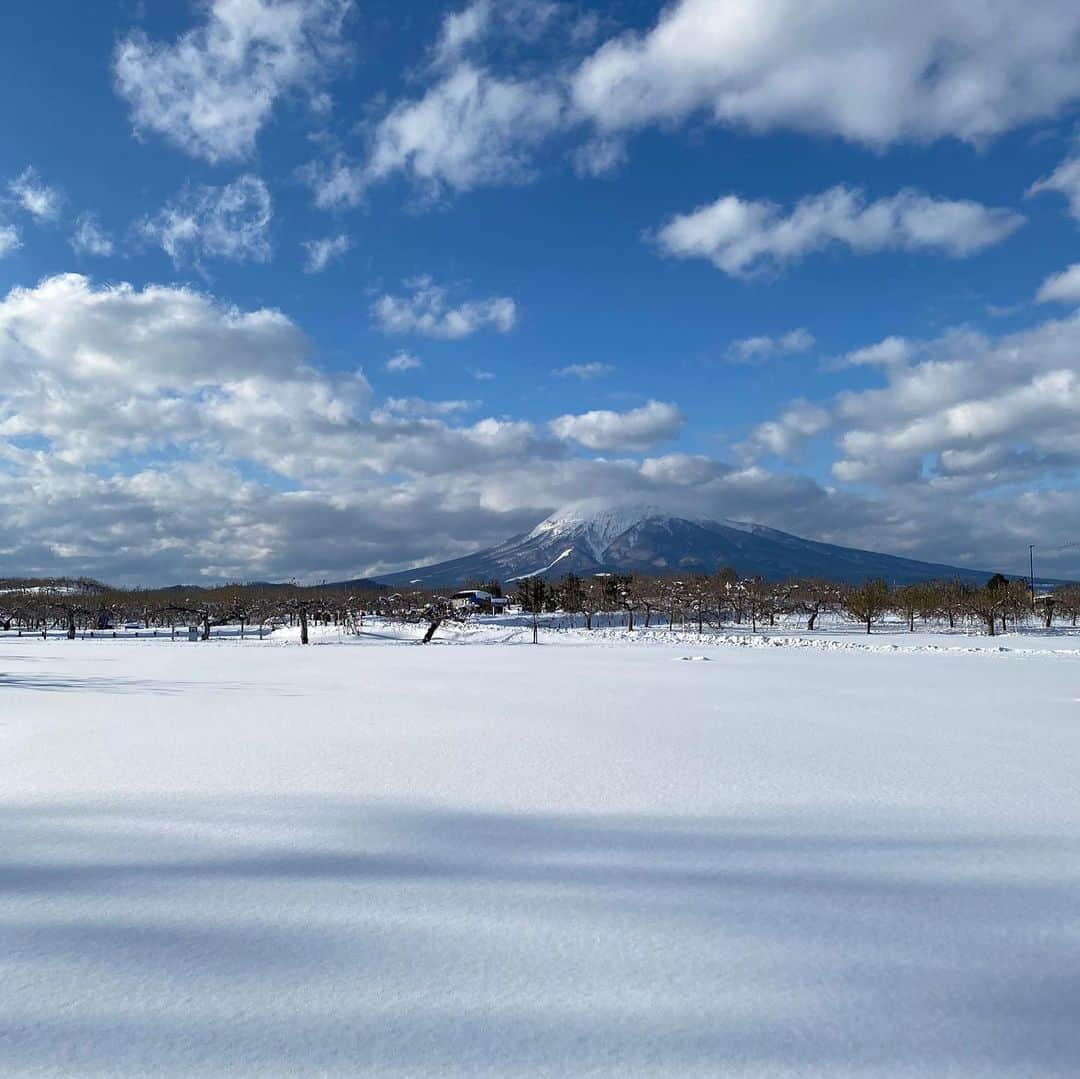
(641, 539)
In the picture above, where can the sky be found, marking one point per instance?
(317, 289)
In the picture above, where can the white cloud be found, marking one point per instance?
(481, 376)
(231, 222)
(471, 128)
(584, 371)
(598, 157)
(863, 70)
(886, 353)
(637, 429)
(969, 444)
(682, 469)
(758, 349)
(426, 311)
(784, 437)
(89, 238)
(213, 90)
(98, 372)
(1065, 180)
(482, 116)
(401, 362)
(460, 29)
(507, 22)
(419, 406)
(967, 412)
(743, 237)
(320, 253)
(37, 198)
(9, 240)
(149, 338)
(1061, 287)
(866, 70)
(117, 372)
(337, 184)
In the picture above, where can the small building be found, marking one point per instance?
(479, 601)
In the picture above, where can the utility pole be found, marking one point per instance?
(1031, 572)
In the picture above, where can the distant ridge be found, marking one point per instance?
(588, 538)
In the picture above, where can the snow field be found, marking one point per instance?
(252, 859)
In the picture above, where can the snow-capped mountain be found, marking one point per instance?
(587, 538)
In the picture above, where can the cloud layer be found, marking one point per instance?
(174, 437)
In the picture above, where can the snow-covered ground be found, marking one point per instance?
(849, 857)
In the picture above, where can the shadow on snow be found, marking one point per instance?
(327, 935)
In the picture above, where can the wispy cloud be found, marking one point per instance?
(751, 350)
(337, 184)
(37, 198)
(320, 253)
(1065, 180)
(9, 240)
(231, 222)
(213, 89)
(744, 237)
(89, 238)
(1061, 287)
(891, 352)
(419, 407)
(427, 311)
(470, 129)
(584, 371)
(401, 362)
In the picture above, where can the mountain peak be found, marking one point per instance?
(594, 522)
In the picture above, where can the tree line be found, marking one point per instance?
(81, 606)
(723, 598)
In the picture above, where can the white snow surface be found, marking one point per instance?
(813, 855)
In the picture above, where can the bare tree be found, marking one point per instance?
(69, 605)
(994, 601)
(673, 596)
(758, 600)
(916, 601)
(570, 595)
(646, 596)
(1068, 601)
(721, 585)
(532, 595)
(811, 598)
(868, 602)
(948, 599)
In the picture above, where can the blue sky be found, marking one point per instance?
(315, 288)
